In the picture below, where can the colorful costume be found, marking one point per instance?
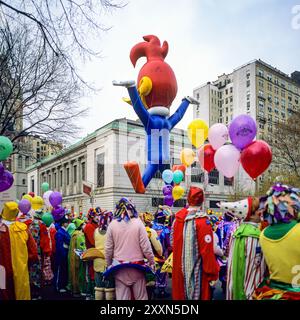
(104, 288)
(246, 266)
(163, 233)
(76, 266)
(280, 243)
(89, 231)
(127, 257)
(194, 262)
(35, 270)
(62, 240)
(23, 251)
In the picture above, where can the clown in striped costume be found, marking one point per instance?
(246, 266)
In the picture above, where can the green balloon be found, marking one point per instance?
(178, 176)
(47, 218)
(45, 186)
(6, 148)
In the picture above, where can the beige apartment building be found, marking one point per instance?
(257, 89)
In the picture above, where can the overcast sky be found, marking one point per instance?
(206, 38)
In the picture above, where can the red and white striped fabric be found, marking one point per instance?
(254, 267)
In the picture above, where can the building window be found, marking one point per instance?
(100, 170)
(261, 83)
(179, 203)
(20, 162)
(276, 90)
(68, 176)
(32, 185)
(158, 175)
(49, 180)
(261, 72)
(24, 182)
(75, 174)
(26, 162)
(248, 83)
(157, 202)
(213, 177)
(213, 204)
(54, 182)
(269, 77)
(231, 89)
(83, 171)
(61, 178)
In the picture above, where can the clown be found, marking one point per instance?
(157, 88)
(280, 243)
(246, 266)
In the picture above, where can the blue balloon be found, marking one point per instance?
(167, 176)
(177, 176)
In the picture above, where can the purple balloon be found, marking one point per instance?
(24, 206)
(6, 180)
(167, 190)
(168, 200)
(58, 213)
(55, 199)
(242, 130)
(1, 168)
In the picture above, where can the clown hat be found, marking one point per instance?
(195, 197)
(241, 209)
(10, 211)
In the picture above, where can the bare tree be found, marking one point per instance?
(66, 27)
(285, 146)
(38, 94)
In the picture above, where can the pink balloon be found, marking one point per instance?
(217, 135)
(46, 197)
(227, 160)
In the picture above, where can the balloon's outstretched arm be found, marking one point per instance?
(179, 113)
(138, 106)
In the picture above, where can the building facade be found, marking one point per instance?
(257, 89)
(31, 148)
(97, 161)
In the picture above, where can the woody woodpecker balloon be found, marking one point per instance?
(151, 101)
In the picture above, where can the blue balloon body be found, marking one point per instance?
(158, 129)
(177, 176)
(167, 176)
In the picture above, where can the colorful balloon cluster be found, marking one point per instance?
(35, 202)
(255, 156)
(6, 178)
(172, 191)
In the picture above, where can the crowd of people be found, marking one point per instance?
(252, 250)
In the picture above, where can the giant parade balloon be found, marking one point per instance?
(256, 158)
(151, 100)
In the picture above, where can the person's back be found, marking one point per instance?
(128, 243)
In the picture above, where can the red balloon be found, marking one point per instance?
(31, 194)
(256, 158)
(206, 157)
(180, 167)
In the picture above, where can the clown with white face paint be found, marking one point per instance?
(246, 266)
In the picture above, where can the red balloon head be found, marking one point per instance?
(31, 194)
(256, 158)
(206, 157)
(164, 84)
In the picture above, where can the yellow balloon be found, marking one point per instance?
(28, 197)
(177, 192)
(197, 132)
(187, 157)
(37, 203)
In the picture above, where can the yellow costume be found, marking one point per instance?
(19, 253)
(282, 254)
